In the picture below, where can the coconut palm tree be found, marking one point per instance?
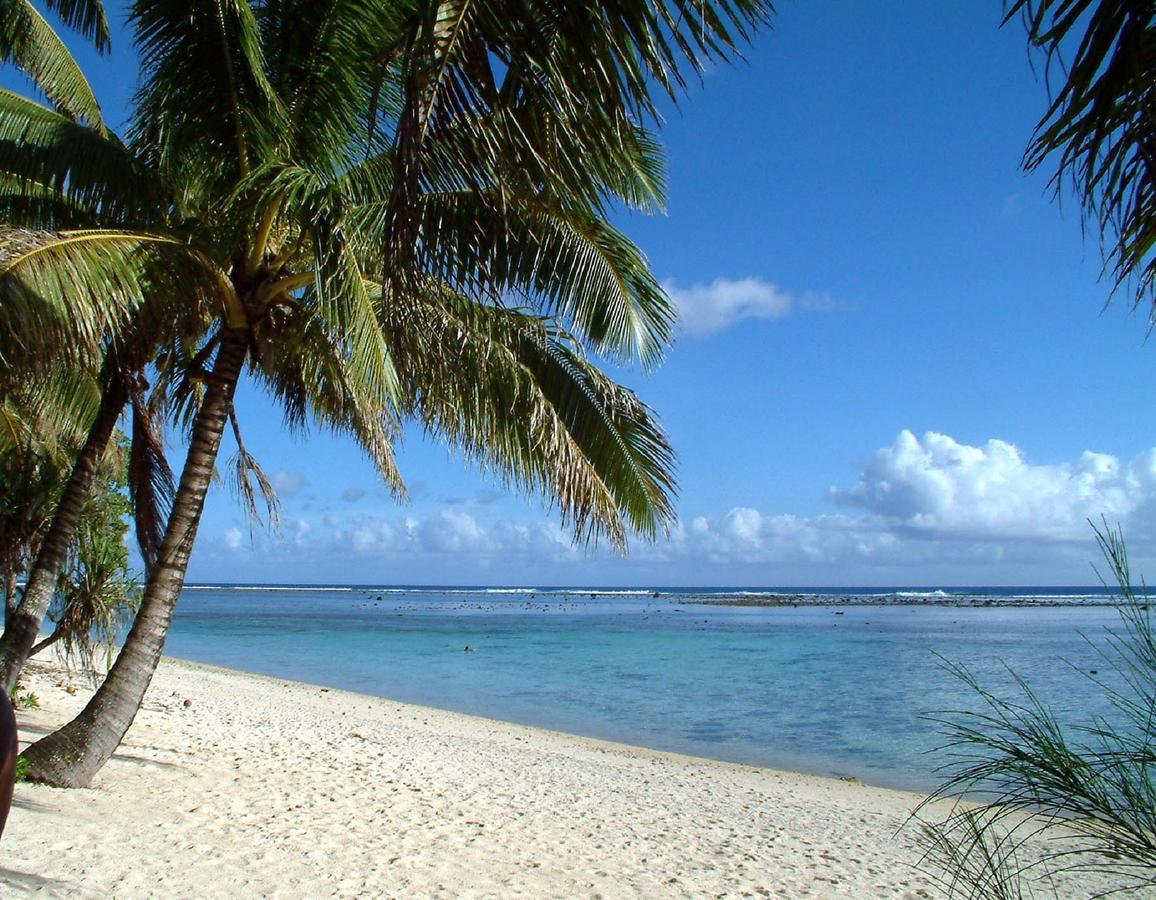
(398, 212)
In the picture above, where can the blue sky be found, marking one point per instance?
(895, 364)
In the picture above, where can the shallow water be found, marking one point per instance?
(834, 690)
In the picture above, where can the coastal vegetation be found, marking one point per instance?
(1086, 792)
(383, 213)
(96, 587)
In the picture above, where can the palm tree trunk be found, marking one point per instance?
(9, 594)
(40, 646)
(71, 756)
(22, 624)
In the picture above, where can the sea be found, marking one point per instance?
(848, 682)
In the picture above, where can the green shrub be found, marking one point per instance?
(1087, 788)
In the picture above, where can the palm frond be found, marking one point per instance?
(247, 472)
(27, 204)
(321, 56)
(52, 409)
(206, 111)
(62, 294)
(566, 262)
(349, 308)
(537, 411)
(46, 151)
(85, 16)
(305, 366)
(27, 40)
(594, 67)
(150, 479)
(1099, 130)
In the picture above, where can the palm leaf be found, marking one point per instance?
(28, 204)
(27, 40)
(537, 411)
(247, 472)
(86, 16)
(322, 56)
(150, 479)
(595, 67)
(47, 151)
(306, 368)
(52, 410)
(63, 294)
(1099, 130)
(567, 262)
(206, 111)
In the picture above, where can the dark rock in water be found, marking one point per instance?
(379, 598)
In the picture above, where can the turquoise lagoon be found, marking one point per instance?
(839, 684)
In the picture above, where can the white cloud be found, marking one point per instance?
(938, 486)
(923, 509)
(927, 506)
(706, 308)
(352, 494)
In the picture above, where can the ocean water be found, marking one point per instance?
(833, 682)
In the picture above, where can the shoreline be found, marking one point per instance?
(232, 784)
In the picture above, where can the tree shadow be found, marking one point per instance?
(147, 761)
(36, 730)
(22, 801)
(29, 881)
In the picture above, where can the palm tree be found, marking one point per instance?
(394, 209)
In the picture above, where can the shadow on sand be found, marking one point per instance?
(27, 881)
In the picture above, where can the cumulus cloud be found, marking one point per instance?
(706, 308)
(924, 506)
(233, 538)
(940, 487)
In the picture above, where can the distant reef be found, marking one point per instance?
(937, 598)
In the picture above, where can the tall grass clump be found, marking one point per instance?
(1082, 794)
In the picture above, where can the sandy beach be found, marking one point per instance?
(236, 785)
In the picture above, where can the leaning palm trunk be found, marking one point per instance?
(71, 756)
(10, 598)
(22, 624)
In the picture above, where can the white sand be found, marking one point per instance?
(263, 787)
